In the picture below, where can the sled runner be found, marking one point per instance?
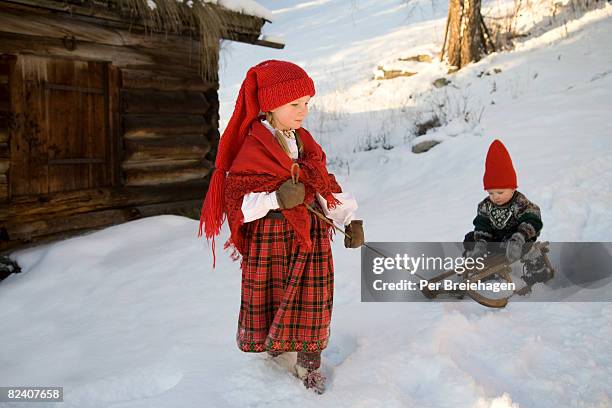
(497, 270)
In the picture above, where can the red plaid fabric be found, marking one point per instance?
(287, 291)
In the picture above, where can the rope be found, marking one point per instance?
(295, 178)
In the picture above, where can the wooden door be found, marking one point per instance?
(60, 133)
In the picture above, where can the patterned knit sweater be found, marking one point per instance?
(498, 222)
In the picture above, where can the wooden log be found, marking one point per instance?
(241, 25)
(4, 126)
(95, 219)
(40, 23)
(118, 55)
(72, 9)
(164, 81)
(192, 147)
(147, 101)
(136, 178)
(30, 208)
(3, 191)
(4, 166)
(4, 98)
(41, 231)
(114, 124)
(163, 163)
(200, 141)
(5, 151)
(189, 208)
(141, 127)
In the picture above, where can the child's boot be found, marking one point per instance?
(308, 370)
(311, 378)
(535, 269)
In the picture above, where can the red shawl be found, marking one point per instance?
(261, 165)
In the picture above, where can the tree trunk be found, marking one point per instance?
(464, 41)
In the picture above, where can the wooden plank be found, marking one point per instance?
(136, 178)
(119, 55)
(99, 144)
(6, 64)
(164, 81)
(40, 231)
(4, 166)
(4, 126)
(75, 101)
(142, 156)
(140, 127)
(85, 160)
(240, 27)
(73, 88)
(28, 137)
(189, 208)
(39, 23)
(115, 149)
(70, 8)
(147, 101)
(163, 164)
(5, 106)
(4, 194)
(65, 133)
(28, 208)
(198, 141)
(95, 219)
(4, 98)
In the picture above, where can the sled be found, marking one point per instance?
(496, 268)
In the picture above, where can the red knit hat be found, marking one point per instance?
(267, 86)
(499, 172)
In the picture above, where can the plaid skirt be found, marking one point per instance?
(287, 291)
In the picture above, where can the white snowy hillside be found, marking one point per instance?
(134, 316)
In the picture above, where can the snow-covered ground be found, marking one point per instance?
(133, 315)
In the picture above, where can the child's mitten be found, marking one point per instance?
(514, 247)
(290, 194)
(355, 230)
(480, 249)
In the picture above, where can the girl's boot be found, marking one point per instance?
(308, 370)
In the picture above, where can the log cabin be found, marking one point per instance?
(108, 111)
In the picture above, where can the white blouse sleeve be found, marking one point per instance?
(344, 213)
(257, 205)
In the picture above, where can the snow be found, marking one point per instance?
(134, 316)
(273, 38)
(249, 7)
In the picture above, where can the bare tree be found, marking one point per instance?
(466, 38)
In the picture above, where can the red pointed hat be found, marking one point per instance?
(267, 86)
(499, 172)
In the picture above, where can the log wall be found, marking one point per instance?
(162, 120)
(5, 115)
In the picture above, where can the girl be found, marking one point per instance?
(267, 175)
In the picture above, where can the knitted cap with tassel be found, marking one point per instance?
(267, 86)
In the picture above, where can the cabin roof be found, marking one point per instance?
(205, 20)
